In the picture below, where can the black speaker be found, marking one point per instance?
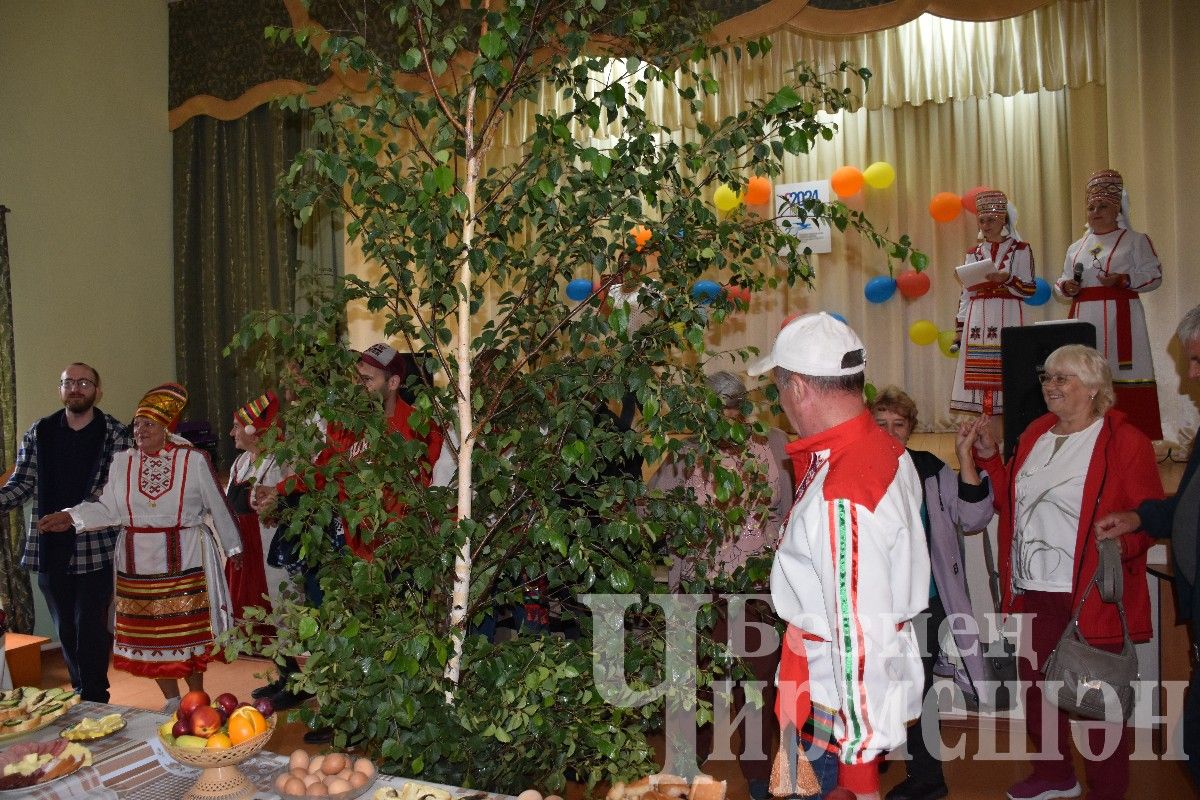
(1023, 350)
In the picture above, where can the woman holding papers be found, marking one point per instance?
(1103, 274)
(993, 302)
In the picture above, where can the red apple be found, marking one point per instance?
(265, 706)
(191, 701)
(227, 702)
(205, 721)
(221, 712)
(182, 727)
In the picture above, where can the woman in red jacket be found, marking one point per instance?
(1071, 467)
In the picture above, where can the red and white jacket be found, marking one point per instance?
(851, 572)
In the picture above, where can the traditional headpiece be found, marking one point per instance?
(1106, 184)
(163, 404)
(991, 201)
(259, 414)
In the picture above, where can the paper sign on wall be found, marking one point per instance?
(807, 233)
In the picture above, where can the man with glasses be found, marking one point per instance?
(64, 460)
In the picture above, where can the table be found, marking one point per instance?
(131, 764)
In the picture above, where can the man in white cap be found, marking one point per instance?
(851, 571)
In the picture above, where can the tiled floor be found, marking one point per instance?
(968, 779)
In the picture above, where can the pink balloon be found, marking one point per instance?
(968, 199)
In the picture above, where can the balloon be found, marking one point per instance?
(725, 199)
(579, 289)
(1040, 295)
(968, 199)
(838, 317)
(705, 291)
(879, 289)
(758, 191)
(846, 181)
(945, 206)
(641, 236)
(737, 293)
(923, 332)
(879, 175)
(912, 284)
(945, 341)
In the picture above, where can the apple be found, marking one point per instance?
(264, 706)
(205, 721)
(227, 702)
(221, 713)
(193, 742)
(182, 727)
(191, 701)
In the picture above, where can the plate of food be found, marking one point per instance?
(30, 764)
(25, 709)
(88, 729)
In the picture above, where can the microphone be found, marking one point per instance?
(1078, 273)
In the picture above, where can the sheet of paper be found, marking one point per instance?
(974, 273)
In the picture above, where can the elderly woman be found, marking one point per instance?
(765, 456)
(984, 309)
(171, 597)
(1105, 273)
(953, 504)
(1071, 467)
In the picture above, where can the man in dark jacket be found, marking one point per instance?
(64, 460)
(1177, 518)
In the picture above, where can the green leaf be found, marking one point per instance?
(601, 164)
(784, 99)
(491, 44)
(307, 628)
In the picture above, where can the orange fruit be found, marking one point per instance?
(218, 741)
(246, 723)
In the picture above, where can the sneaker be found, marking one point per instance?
(909, 789)
(285, 699)
(1035, 788)
(269, 689)
(319, 736)
(759, 789)
(172, 706)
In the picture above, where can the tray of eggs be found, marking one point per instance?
(336, 776)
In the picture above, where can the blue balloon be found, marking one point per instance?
(1041, 295)
(705, 292)
(838, 317)
(879, 289)
(579, 289)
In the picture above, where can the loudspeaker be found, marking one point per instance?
(1023, 350)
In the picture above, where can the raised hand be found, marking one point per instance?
(984, 445)
(1118, 523)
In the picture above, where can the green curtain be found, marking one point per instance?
(16, 597)
(235, 252)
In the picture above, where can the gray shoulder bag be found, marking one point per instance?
(1085, 680)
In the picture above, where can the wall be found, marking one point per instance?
(85, 166)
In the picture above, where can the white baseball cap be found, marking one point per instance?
(814, 344)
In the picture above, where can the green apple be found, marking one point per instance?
(196, 742)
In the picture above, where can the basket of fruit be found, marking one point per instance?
(216, 737)
(334, 776)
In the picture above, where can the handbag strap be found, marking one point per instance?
(993, 575)
(1109, 581)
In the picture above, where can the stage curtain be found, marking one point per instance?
(16, 597)
(235, 252)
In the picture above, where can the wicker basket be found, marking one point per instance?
(221, 779)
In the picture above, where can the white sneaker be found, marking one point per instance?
(172, 706)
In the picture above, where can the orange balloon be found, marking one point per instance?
(758, 191)
(641, 236)
(945, 206)
(846, 181)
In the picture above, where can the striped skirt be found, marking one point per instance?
(163, 627)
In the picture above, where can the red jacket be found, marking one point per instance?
(1122, 474)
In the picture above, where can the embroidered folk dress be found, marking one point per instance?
(982, 313)
(1118, 315)
(171, 596)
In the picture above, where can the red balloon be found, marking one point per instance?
(846, 181)
(738, 293)
(912, 284)
(945, 206)
(968, 199)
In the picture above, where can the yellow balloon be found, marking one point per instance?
(725, 199)
(923, 332)
(879, 175)
(945, 341)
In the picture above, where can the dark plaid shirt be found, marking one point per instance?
(93, 549)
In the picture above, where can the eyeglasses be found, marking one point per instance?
(81, 383)
(1055, 378)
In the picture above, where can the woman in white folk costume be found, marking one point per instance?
(256, 578)
(1103, 274)
(171, 596)
(983, 309)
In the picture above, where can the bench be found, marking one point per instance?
(24, 655)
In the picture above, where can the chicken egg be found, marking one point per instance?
(314, 766)
(337, 786)
(310, 779)
(298, 772)
(293, 786)
(333, 764)
(298, 758)
(365, 766)
(530, 794)
(358, 780)
(281, 781)
(317, 790)
(553, 797)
